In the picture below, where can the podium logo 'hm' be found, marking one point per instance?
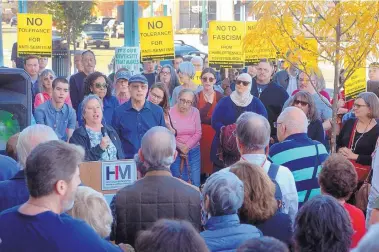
(118, 171)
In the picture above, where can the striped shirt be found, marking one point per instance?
(301, 155)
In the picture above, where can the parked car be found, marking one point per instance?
(120, 30)
(13, 21)
(103, 20)
(94, 35)
(58, 42)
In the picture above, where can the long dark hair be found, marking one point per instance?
(208, 70)
(165, 102)
(174, 81)
(89, 81)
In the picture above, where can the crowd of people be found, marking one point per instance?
(240, 162)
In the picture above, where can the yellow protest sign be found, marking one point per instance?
(156, 38)
(197, 78)
(264, 50)
(356, 84)
(225, 44)
(34, 35)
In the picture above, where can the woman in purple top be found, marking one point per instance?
(186, 120)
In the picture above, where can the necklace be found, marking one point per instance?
(208, 97)
(354, 146)
(38, 206)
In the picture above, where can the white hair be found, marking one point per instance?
(158, 148)
(225, 192)
(29, 138)
(187, 68)
(92, 207)
(294, 119)
(197, 59)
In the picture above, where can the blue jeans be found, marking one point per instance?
(194, 163)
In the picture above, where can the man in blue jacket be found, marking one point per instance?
(272, 95)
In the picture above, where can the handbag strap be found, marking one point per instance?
(367, 179)
(352, 134)
(317, 161)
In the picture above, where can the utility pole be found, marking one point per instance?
(204, 15)
(131, 15)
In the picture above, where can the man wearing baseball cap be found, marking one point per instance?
(132, 119)
(121, 86)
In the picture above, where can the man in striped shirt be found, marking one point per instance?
(302, 155)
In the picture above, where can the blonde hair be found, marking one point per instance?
(91, 207)
(259, 201)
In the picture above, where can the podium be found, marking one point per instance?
(107, 177)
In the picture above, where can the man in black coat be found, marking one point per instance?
(272, 95)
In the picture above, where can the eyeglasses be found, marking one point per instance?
(276, 124)
(185, 102)
(245, 83)
(164, 73)
(358, 106)
(48, 78)
(302, 103)
(101, 85)
(156, 96)
(210, 79)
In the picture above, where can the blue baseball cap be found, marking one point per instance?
(122, 75)
(138, 78)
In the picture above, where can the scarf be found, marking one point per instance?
(242, 100)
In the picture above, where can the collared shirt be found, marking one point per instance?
(303, 156)
(292, 84)
(58, 120)
(284, 178)
(131, 124)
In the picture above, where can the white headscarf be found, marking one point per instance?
(243, 100)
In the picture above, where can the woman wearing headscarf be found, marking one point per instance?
(227, 110)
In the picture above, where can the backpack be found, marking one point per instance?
(272, 172)
(228, 151)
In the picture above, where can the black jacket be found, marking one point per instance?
(273, 98)
(80, 137)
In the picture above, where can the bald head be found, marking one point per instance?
(30, 137)
(253, 132)
(158, 148)
(291, 121)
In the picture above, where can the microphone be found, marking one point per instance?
(103, 131)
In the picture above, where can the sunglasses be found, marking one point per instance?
(302, 103)
(48, 78)
(101, 85)
(245, 83)
(210, 79)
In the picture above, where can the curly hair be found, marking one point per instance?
(89, 81)
(322, 224)
(259, 201)
(338, 177)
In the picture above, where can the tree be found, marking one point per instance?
(70, 18)
(345, 32)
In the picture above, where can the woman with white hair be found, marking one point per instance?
(92, 207)
(100, 141)
(224, 117)
(186, 73)
(223, 195)
(45, 82)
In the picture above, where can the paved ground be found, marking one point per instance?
(104, 56)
